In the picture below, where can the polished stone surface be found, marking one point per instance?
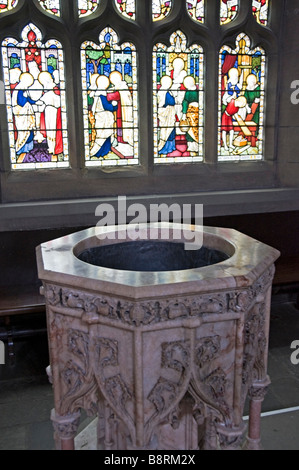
(167, 358)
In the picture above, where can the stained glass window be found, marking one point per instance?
(228, 10)
(160, 9)
(35, 99)
(178, 101)
(241, 101)
(196, 9)
(260, 11)
(51, 6)
(6, 5)
(127, 8)
(86, 7)
(109, 80)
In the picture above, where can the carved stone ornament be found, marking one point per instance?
(165, 357)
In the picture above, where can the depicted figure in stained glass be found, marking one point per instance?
(260, 11)
(51, 123)
(118, 65)
(233, 109)
(166, 116)
(228, 10)
(178, 73)
(252, 94)
(178, 101)
(36, 108)
(120, 93)
(102, 111)
(241, 96)
(190, 112)
(24, 116)
(35, 92)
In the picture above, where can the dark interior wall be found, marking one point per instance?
(17, 249)
(17, 255)
(279, 229)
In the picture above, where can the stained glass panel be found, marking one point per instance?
(35, 101)
(241, 101)
(86, 7)
(127, 8)
(260, 10)
(228, 10)
(6, 5)
(109, 81)
(51, 6)
(178, 101)
(160, 9)
(196, 9)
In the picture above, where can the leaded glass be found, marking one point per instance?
(35, 101)
(196, 9)
(241, 101)
(228, 10)
(127, 8)
(260, 10)
(160, 9)
(109, 81)
(86, 7)
(51, 6)
(6, 5)
(178, 101)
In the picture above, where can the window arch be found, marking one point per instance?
(51, 6)
(241, 101)
(127, 8)
(260, 10)
(228, 10)
(196, 9)
(109, 82)
(178, 101)
(7, 5)
(161, 9)
(35, 97)
(87, 7)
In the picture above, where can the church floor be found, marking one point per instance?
(26, 397)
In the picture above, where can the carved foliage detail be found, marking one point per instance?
(194, 373)
(88, 361)
(145, 312)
